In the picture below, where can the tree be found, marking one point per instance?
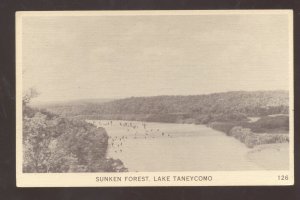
(28, 95)
(55, 144)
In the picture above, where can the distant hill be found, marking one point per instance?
(78, 102)
(227, 106)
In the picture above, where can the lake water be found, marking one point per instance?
(151, 147)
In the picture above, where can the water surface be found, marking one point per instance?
(151, 147)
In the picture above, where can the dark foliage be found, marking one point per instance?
(55, 144)
(223, 126)
(269, 124)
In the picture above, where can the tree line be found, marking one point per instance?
(199, 109)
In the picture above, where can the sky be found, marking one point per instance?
(89, 57)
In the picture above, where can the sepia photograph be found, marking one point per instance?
(154, 98)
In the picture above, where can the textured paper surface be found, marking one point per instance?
(166, 39)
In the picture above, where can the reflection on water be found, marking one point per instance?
(150, 147)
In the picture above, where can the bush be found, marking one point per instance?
(55, 144)
(251, 139)
(222, 126)
(269, 124)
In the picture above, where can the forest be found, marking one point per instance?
(198, 109)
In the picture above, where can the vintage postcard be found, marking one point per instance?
(154, 98)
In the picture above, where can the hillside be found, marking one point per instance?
(53, 144)
(200, 109)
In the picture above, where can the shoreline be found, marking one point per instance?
(244, 135)
(247, 136)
